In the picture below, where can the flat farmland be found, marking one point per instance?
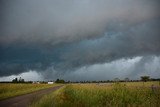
(8, 90)
(119, 94)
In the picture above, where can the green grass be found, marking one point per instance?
(132, 94)
(50, 100)
(8, 90)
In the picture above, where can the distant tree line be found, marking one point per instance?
(145, 78)
(59, 81)
(16, 80)
(142, 78)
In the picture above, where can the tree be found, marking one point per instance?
(116, 79)
(59, 81)
(126, 79)
(145, 78)
(15, 80)
(21, 80)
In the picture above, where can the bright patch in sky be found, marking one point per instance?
(27, 76)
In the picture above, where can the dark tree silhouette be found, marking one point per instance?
(59, 81)
(126, 79)
(21, 80)
(145, 78)
(116, 79)
(15, 80)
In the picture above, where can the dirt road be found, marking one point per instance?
(25, 100)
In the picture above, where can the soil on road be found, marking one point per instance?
(25, 100)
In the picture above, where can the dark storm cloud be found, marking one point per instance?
(130, 68)
(67, 35)
(140, 66)
(52, 22)
(136, 41)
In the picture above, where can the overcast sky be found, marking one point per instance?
(79, 39)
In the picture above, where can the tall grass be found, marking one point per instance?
(9, 90)
(50, 100)
(104, 95)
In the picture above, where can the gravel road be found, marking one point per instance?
(25, 100)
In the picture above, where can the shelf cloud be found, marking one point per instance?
(61, 37)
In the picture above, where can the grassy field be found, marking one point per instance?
(9, 90)
(131, 94)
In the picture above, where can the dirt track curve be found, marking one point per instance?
(25, 100)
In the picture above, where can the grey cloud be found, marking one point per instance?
(69, 35)
(123, 68)
(139, 40)
(52, 22)
(27, 76)
(131, 68)
(148, 65)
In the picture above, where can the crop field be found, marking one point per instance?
(119, 94)
(8, 90)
